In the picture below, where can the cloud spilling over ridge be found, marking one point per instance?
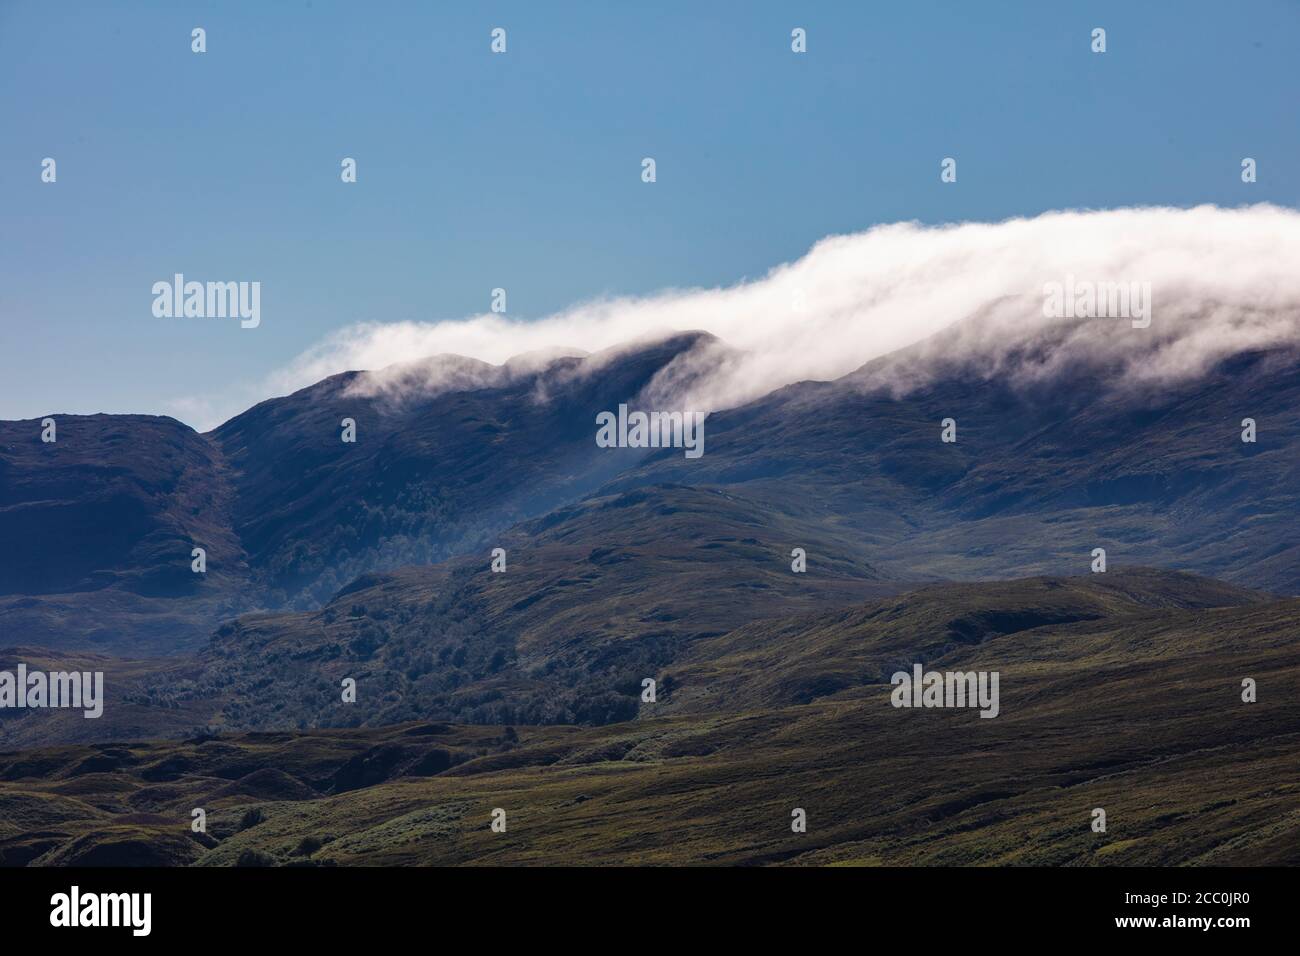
(1221, 280)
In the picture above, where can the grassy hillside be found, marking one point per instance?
(1128, 700)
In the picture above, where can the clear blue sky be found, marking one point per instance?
(523, 170)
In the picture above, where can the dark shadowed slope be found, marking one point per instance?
(98, 527)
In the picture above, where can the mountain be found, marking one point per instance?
(448, 453)
(1042, 471)
(451, 454)
(99, 525)
(371, 560)
(770, 588)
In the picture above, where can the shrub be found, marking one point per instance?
(308, 846)
(251, 818)
(255, 858)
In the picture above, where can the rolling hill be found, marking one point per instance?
(1123, 695)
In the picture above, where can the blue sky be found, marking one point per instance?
(522, 170)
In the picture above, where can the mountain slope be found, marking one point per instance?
(594, 599)
(796, 660)
(99, 526)
(1042, 472)
(443, 459)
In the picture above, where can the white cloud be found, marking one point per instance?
(1222, 280)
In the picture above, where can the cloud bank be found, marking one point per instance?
(1221, 280)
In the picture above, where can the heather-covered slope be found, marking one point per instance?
(594, 599)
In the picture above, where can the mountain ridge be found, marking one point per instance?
(291, 516)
